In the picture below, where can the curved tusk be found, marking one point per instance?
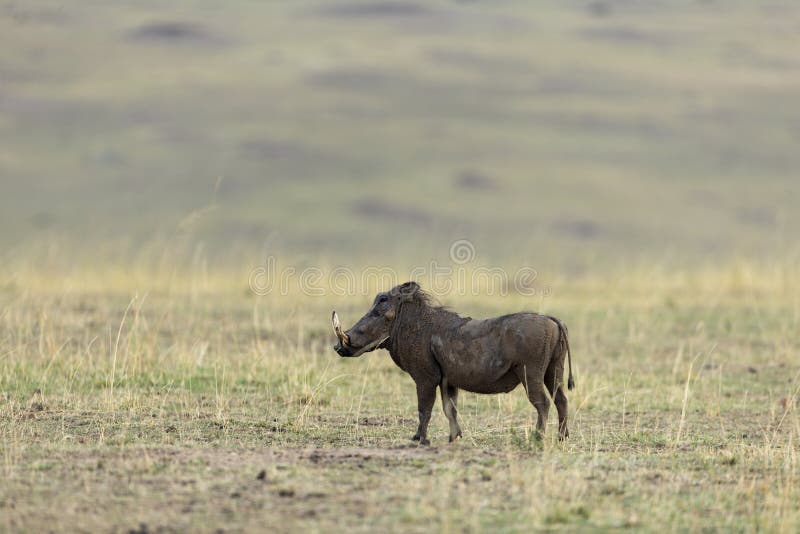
(337, 329)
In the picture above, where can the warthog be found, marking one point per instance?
(438, 347)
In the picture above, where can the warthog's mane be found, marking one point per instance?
(424, 298)
(428, 305)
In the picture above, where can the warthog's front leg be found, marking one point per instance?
(426, 396)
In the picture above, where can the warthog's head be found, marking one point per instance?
(372, 331)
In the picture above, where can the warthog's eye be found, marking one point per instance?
(382, 298)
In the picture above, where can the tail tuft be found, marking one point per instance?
(570, 384)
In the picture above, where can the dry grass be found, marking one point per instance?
(129, 400)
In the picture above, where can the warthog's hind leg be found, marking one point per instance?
(426, 397)
(449, 405)
(553, 379)
(537, 396)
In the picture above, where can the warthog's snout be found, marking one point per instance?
(363, 337)
(345, 352)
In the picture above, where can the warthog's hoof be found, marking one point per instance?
(453, 438)
(423, 441)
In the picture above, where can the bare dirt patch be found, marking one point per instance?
(175, 32)
(377, 10)
(375, 208)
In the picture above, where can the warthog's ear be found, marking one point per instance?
(407, 290)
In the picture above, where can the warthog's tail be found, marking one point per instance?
(563, 338)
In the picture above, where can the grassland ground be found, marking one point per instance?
(126, 406)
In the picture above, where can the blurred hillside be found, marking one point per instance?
(578, 132)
